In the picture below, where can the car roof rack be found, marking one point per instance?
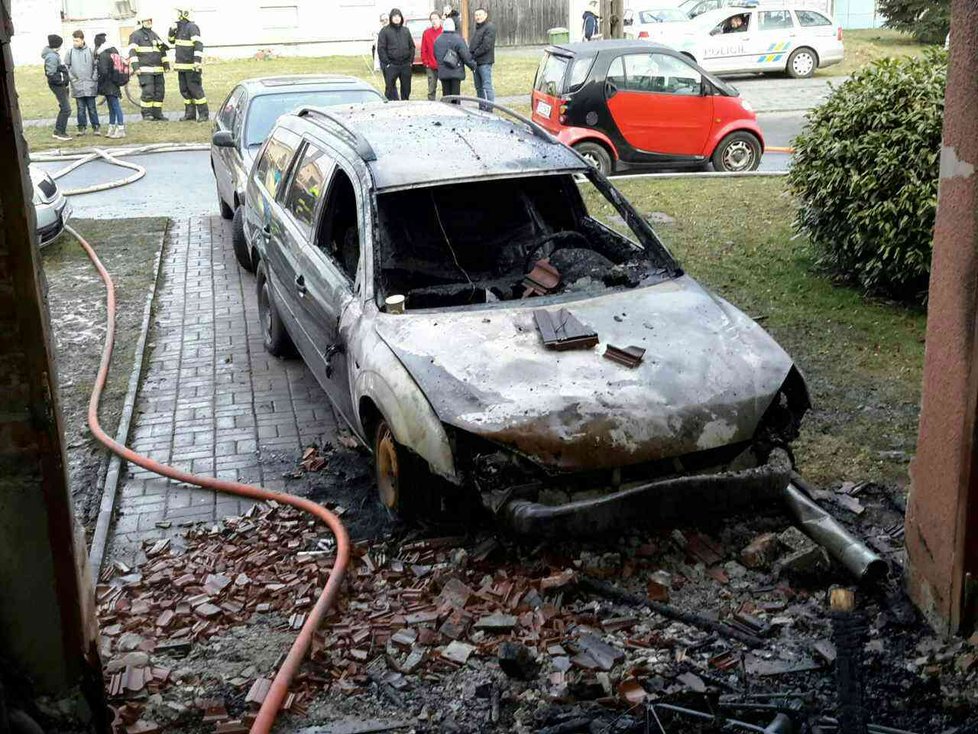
(360, 143)
(534, 128)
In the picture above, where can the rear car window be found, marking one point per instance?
(809, 18)
(775, 20)
(550, 75)
(307, 187)
(267, 108)
(579, 73)
(275, 160)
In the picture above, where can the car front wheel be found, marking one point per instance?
(737, 153)
(597, 156)
(239, 242)
(277, 341)
(802, 63)
(405, 486)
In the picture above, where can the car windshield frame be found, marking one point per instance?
(643, 238)
(315, 97)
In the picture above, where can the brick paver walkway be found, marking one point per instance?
(212, 400)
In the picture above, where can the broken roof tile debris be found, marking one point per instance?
(533, 619)
(562, 331)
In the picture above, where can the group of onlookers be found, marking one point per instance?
(444, 54)
(84, 73)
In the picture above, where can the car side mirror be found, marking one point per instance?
(223, 139)
(610, 89)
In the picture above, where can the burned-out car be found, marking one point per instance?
(490, 316)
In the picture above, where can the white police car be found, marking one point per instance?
(737, 39)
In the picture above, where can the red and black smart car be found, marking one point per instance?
(631, 104)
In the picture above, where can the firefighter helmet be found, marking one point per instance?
(183, 13)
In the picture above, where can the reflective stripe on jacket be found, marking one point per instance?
(185, 38)
(146, 52)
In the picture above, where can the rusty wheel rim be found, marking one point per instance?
(387, 468)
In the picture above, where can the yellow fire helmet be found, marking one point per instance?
(183, 13)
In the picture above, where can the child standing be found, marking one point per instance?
(80, 62)
(108, 84)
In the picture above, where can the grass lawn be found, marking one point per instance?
(139, 133)
(867, 45)
(513, 73)
(76, 303)
(862, 358)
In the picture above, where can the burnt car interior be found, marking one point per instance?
(338, 235)
(504, 240)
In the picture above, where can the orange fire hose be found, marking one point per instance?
(297, 653)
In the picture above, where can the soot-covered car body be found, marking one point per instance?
(418, 256)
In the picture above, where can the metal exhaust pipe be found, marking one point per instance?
(825, 530)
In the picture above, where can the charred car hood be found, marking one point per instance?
(707, 377)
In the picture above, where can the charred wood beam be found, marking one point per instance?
(609, 591)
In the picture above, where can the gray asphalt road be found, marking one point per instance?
(176, 185)
(780, 128)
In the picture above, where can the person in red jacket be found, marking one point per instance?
(428, 54)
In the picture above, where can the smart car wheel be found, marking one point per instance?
(736, 153)
(238, 241)
(277, 341)
(596, 155)
(226, 211)
(802, 63)
(404, 484)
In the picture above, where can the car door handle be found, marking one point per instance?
(300, 285)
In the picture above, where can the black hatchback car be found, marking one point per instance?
(628, 104)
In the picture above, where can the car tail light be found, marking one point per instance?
(562, 110)
(643, 34)
(838, 33)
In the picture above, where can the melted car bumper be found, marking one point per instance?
(657, 501)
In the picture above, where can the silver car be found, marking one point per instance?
(51, 208)
(495, 321)
(248, 114)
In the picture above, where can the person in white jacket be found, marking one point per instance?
(384, 20)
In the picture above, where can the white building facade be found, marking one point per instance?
(230, 28)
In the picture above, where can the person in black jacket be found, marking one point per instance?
(57, 76)
(449, 47)
(188, 59)
(147, 59)
(395, 49)
(483, 47)
(449, 12)
(107, 85)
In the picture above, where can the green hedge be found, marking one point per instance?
(865, 175)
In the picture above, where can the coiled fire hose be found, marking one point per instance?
(297, 653)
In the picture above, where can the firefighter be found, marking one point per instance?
(147, 59)
(188, 61)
